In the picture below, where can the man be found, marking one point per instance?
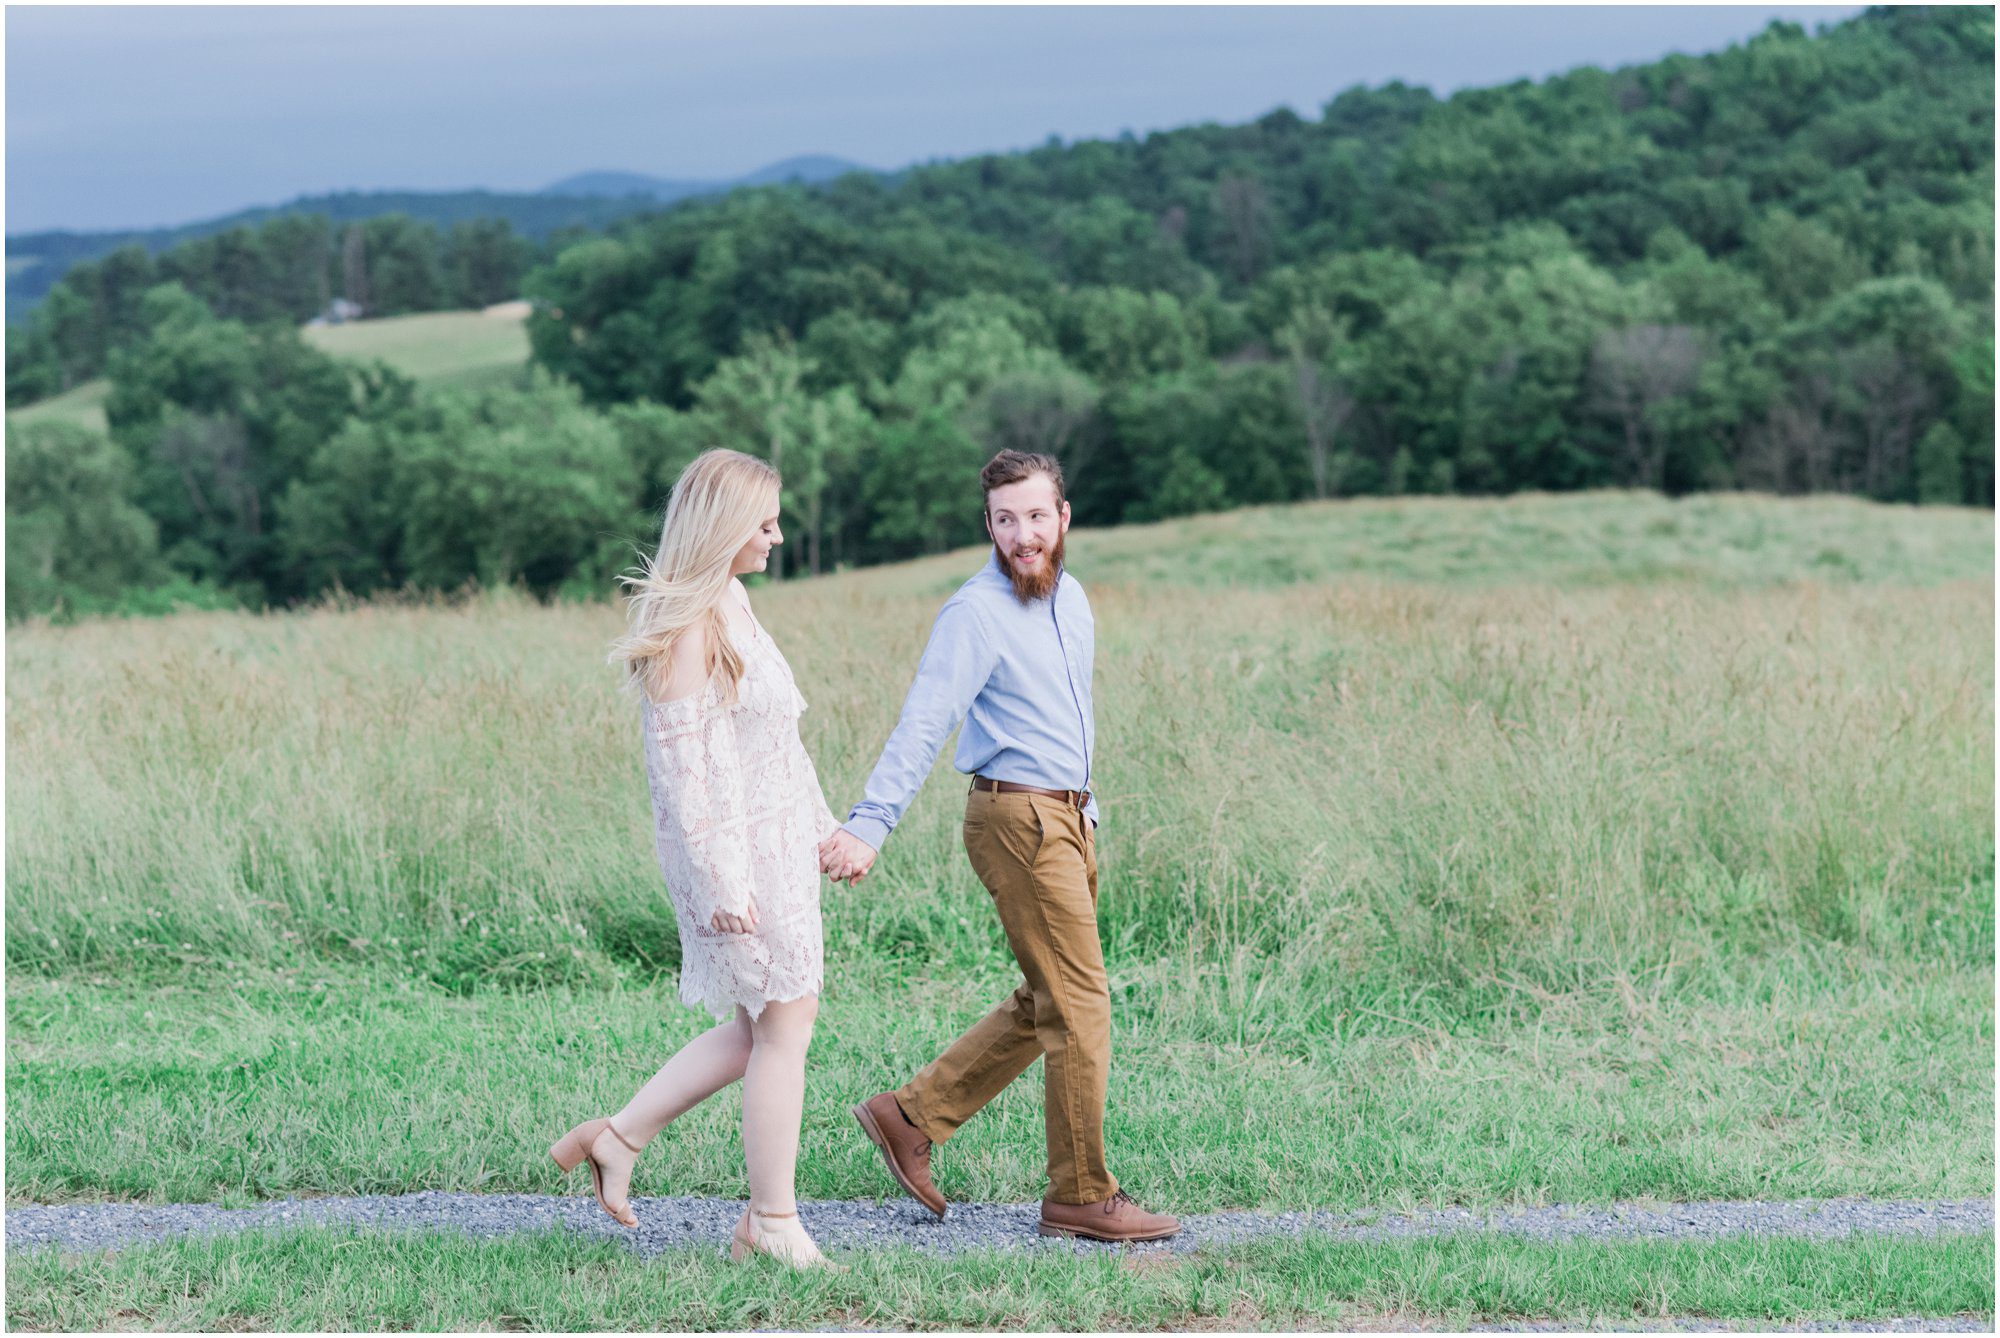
(1011, 655)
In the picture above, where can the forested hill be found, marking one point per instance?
(1769, 267)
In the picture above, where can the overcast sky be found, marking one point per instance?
(137, 117)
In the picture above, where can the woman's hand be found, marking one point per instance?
(845, 858)
(727, 923)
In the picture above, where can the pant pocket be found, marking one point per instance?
(1007, 840)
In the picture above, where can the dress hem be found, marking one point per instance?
(755, 1008)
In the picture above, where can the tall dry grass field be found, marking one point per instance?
(1345, 781)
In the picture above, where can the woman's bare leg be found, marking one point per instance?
(698, 1070)
(774, 1089)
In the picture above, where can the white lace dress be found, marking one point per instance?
(738, 814)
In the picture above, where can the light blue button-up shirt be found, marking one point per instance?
(1017, 674)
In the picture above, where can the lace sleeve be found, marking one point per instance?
(702, 799)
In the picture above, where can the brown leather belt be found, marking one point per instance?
(1078, 798)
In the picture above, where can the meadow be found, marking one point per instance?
(1546, 849)
(464, 349)
(459, 349)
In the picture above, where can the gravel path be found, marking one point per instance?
(667, 1223)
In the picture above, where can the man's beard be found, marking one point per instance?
(1039, 583)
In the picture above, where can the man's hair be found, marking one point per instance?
(1014, 466)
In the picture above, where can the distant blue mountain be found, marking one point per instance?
(811, 170)
(619, 185)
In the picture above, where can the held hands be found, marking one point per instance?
(728, 923)
(845, 857)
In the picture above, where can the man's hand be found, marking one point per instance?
(726, 923)
(845, 857)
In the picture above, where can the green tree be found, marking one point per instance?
(662, 442)
(221, 418)
(404, 273)
(922, 487)
(1973, 361)
(299, 258)
(962, 349)
(32, 370)
(757, 403)
(1636, 372)
(1119, 335)
(1320, 355)
(1941, 467)
(1045, 409)
(75, 537)
(1802, 262)
(1199, 441)
(525, 486)
(1887, 346)
(846, 348)
(483, 262)
(834, 436)
(341, 524)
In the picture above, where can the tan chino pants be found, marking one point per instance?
(1038, 858)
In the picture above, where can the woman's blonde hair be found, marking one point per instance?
(716, 507)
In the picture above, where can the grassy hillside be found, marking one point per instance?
(454, 348)
(82, 404)
(1570, 539)
(448, 348)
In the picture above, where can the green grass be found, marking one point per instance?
(452, 348)
(1802, 1078)
(342, 1279)
(82, 405)
(1583, 540)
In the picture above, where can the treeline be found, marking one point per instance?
(1768, 268)
(288, 269)
(244, 467)
(39, 260)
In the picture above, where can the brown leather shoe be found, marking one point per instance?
(903, 1146)
(1115, 1219)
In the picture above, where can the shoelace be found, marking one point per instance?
(1117, 1196)
(923, 1148)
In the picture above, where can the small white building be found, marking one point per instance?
(338, 312)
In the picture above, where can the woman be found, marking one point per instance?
(738, 817)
